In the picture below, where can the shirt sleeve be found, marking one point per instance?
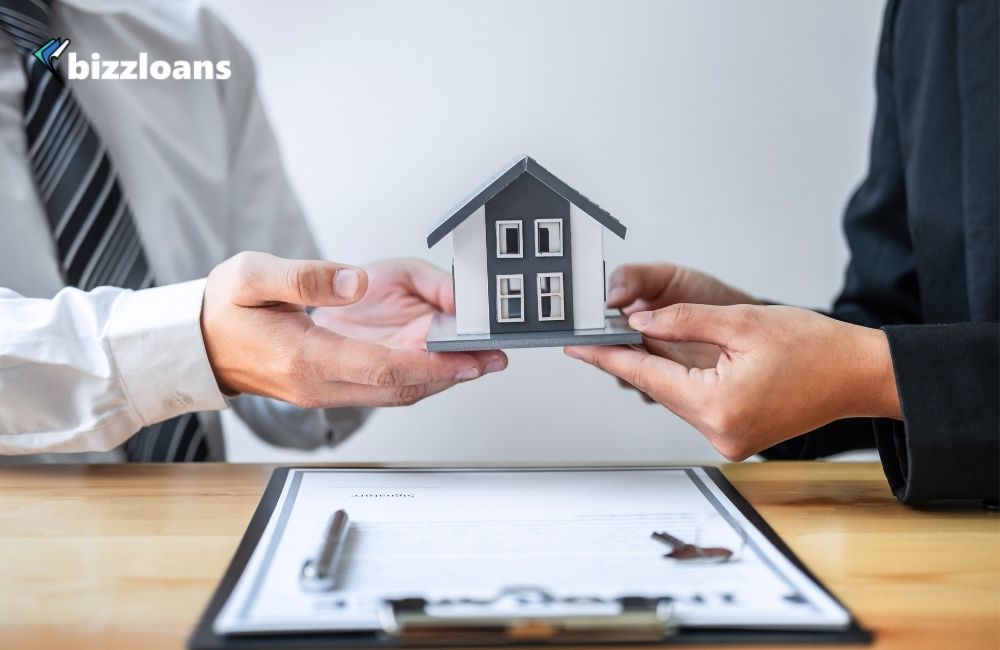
(286, 425)
(86, 370)
(267, 217)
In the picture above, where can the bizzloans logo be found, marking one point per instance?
(51, 51)
(129, 70)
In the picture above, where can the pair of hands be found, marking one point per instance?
(363, 345)
(747, 376)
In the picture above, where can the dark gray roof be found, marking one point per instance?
(508, 175)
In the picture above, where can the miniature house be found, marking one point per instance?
(528, 264)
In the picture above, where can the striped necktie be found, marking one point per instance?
(95, 235)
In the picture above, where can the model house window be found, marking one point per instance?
(550, 297)
(509, 239)
(510, 298)
(548, 238)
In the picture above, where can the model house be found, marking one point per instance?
(528, 265)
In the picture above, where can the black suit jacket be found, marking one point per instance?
(922, 230)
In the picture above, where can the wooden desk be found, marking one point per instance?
(126, 556)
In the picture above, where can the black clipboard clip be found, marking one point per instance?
(526, 615)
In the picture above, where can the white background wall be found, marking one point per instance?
(726, 134)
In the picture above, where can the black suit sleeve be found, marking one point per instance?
(948, 445)
(880, 285)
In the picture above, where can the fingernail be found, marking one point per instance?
(640, 320)
(346, 283)
(616, 293)
(496, 364)
(465, 374)
(572, 352)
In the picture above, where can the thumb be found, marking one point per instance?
(263, 279)
(690, 322)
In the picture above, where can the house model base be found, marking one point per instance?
(442, 337)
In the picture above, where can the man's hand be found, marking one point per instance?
(260, 340)
(396, 311)
(781, 372)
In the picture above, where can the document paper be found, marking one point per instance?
(473, 533)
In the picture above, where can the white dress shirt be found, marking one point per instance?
(81, 372)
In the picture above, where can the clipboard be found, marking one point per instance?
(637, 621)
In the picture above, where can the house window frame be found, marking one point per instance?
(550, 294)
(520, 238)
(501, 297)
(538, 223)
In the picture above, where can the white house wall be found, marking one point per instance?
(471, 282)
(587, 246)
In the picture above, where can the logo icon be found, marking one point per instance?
(51, 51)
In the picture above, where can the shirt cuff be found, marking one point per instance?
(285, 425)
(155, 339)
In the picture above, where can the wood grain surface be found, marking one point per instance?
(126, 556)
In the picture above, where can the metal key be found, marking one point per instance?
(681, 550)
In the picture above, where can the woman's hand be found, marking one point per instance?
(643, 287)
(780, 372)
